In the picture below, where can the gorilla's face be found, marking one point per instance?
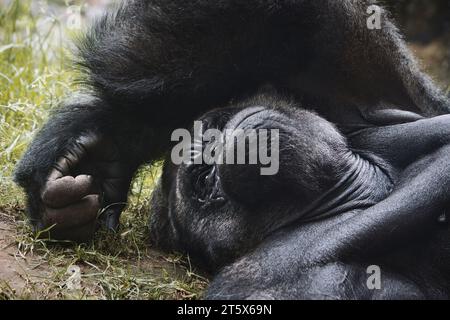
(216, 212)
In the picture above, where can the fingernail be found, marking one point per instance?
(112, 221)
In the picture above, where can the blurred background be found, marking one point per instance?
(426, 26)
(36, 72)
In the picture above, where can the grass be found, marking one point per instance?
(36, 73)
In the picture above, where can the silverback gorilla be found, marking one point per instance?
(364, 153)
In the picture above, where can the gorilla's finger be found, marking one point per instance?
(64, 191)
(115, 192)
(75, 215)
(111, 218)
(75, 153)
(115, 197)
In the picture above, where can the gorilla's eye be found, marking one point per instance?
(205, 184)
(202, 184)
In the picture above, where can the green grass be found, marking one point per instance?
(36, 73)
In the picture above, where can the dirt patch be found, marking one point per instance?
(30, 270)
(17, 272)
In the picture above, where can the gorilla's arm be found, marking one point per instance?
(402, 144)
(82, 160)
(175, 59)
(277, 270)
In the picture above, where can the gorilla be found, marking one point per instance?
(364, 153)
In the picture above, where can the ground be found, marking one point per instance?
(111, 267)
(13, 272)
(35, 73)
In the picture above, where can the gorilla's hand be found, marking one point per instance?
(89, 183)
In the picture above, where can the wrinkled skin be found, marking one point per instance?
(154, 66)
